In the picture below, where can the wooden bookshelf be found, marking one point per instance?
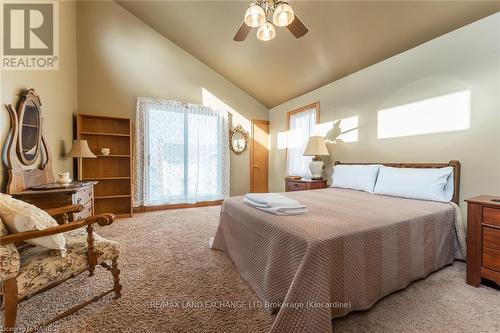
(113, 193)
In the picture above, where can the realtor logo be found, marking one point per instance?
(30, 38)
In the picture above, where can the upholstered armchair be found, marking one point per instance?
(27, 270)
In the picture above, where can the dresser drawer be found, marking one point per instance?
(491, 216)
(491, 259)
(83, 196)
(491, 238)
(296, 186)
(86, 212)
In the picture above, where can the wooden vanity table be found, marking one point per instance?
(31, 178)
(78, 193)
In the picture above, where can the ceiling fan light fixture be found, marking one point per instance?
(255, 16)
(263, 13)
(283, 15)
(266, 32)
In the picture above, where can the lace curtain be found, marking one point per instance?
(182, 153)
(301, 126)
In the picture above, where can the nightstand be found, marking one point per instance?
(483, 239)
(304, 184)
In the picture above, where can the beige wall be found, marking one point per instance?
(121, 58)
(466, 59)
(57, 89)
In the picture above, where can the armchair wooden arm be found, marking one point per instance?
(64, 210)
(63, 214)
(102, 220)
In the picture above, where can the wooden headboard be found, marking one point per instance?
(454, 164)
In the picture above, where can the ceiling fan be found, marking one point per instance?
(257, 15)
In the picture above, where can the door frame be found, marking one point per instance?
(252, 141)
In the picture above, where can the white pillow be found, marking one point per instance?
(418, 183)
(356, 177)
(19, 216)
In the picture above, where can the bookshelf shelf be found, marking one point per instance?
(103, 134)
(113, 196)
(125, 156)
(106, 178)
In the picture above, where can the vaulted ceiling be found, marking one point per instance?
(344, 37)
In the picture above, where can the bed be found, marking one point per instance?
(351, 250)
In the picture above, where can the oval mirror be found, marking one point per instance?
(238, 140)
(29, 132)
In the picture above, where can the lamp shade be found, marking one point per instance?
(316, 146)
(266, 32)
(81, 149)
(283, 15)
(255, 16)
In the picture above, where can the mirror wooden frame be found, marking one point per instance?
(24, 173)
(238, 129)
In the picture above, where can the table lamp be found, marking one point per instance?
(80, 150)
(316, 147)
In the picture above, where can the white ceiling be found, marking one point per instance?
(344, 37)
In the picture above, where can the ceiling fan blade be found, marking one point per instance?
(297, 28)
(242, 32)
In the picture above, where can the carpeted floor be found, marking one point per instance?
(172, 282)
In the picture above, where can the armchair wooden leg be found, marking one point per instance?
(116, 278)
(10, 299)
(92, 260)
(92, 256)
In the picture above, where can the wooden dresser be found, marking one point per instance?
(304, 184)
(45, 199)
(483, 239)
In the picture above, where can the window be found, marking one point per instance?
(185, 153)
(301, 125)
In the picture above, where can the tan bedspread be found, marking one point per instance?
(352, 249)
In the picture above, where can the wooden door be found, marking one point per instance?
(259, 156)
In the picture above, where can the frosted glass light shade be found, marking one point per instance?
(266, 32)
(255, 16)
(283, 15)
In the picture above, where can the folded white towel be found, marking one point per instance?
(271, 200)
(277, 210)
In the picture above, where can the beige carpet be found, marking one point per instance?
(170, 276)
